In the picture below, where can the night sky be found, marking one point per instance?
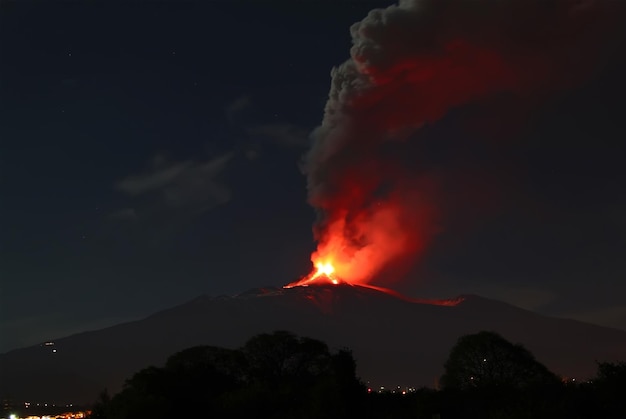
(151, 152)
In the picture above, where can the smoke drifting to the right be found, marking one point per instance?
(410, 65)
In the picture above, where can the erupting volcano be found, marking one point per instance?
(380, 197)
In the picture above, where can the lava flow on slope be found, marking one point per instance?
(324, 275)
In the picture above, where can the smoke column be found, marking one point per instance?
(410, 65)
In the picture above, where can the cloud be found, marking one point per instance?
(247, 121)
(282, 133)
(236, 107)
(186, 185)
(154, 180)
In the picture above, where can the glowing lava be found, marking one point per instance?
(326, 269)
(324, 273)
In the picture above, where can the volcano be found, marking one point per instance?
(395, 340)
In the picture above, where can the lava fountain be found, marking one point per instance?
(324, 273)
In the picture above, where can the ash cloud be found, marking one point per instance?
(411, 64)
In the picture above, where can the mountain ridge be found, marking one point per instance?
(395, 341)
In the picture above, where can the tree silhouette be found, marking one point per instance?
(201, 376)
(610, 384)
(292, 376)
(486, 359)
(280, 375)
(101, 407)
(276, 375)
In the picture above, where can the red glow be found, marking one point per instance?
(359, 238)
(381, 199)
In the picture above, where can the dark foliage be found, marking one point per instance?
(276, 375)
(281, 375)
(611, 388)
(486, 359)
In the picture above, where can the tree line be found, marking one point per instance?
(281, 375)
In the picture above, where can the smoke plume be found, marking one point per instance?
(410, 65)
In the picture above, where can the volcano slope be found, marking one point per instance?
(395, 340)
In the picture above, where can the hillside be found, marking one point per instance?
(395, 340)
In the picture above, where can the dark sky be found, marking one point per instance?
(150, 153)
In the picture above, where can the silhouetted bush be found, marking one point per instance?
(281, 375)
(610, 384)
(276, 375)
(486, 359)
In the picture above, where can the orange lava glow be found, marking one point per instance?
(323, 273)
(356, 244)
(324, 269)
